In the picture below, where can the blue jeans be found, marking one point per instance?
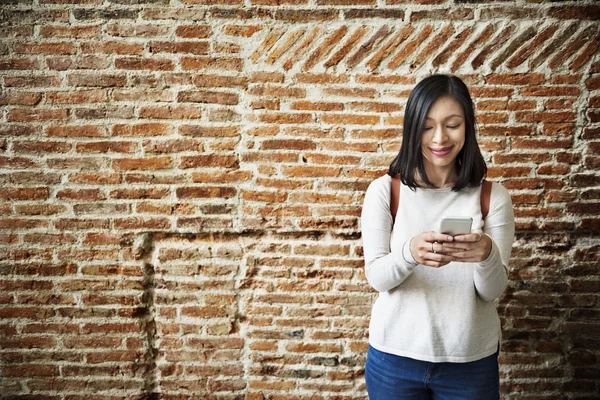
(391, 377)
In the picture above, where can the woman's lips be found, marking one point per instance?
(444, 151)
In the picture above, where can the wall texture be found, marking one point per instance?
(181, 184)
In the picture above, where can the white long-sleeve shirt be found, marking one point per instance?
(444, 314)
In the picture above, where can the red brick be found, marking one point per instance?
(285, 118)
(575, 12)
(193, 31)
(268, 104)
(526, 51)
(40, 115)
(41, 147)
(211, 63)
(350, 119)
(91, 80)
(143, 129)
(141, 223)
(462, 56)
(221, 176)
(583, 37)
(171, 112)
(139, 193)
(78, 97)
(209, 160)
(76, 131)
(128, 164)
(44, 48)
(544, 116)
(31, 370)
(550, 91)
(241, 30)
(206, 96)
(136, 30)
(28, 342)
(105, 147)
(504, 171)
(558, 129)
(50, 239)
(277, 91)
(584, 208)
(20, 98)
(500, 130)
(95, 178)
(553, 170)
(20, 223)
(500, 39)
(74, 223)
(104, 328)
(66, 63)
(263, 196)
(38, 193)
(526, 199)
(18, 162)
(72, 32)
(492, 118)
(112, 356)
(195, 47)
(289, 144)
(80, 194)
(542, 143)
(205, 192)
(214, 80)
(491, 91)
(19, 130)
(18, 64)
(134, 63)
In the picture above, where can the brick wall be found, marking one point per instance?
(181, 184)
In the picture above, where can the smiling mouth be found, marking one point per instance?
(441, 152)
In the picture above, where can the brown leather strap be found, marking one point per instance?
(395, 197)
(486, 193)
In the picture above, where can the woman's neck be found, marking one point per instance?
(439, 177)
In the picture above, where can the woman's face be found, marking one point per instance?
(444, 134)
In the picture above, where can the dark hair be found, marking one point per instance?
(470, 165)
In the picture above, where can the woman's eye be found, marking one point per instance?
(454, 126)
(428, 128)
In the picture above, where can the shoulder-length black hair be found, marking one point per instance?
(470, 165)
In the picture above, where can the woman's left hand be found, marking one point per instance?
(472, 247)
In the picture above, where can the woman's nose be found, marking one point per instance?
(439, 135)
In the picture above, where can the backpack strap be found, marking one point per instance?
(395, 196)
(486, 193)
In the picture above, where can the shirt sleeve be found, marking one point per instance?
(384, 269)
(491, 275)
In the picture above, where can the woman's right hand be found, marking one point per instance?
(427, 248)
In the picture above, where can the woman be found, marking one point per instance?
(435, 331)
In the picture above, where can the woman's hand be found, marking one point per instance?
(429, 248)
(472, 247)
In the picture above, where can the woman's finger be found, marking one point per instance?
(472, 237)
(439, 257)
(438, 237)
(427, 249)
(462, 255)
(453, 249)
(471, 255)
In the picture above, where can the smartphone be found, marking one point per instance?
(455, 225)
